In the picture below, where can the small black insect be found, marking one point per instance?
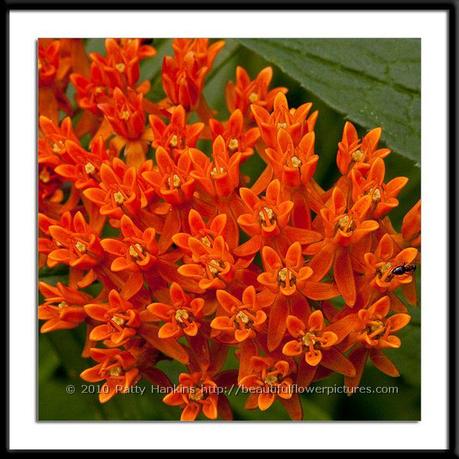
(403, 269)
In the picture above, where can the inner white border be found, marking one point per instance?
(26, 433)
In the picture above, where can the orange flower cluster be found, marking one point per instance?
(173, 253)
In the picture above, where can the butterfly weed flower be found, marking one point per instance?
(63, 307)
(244, 92)
(262, 281)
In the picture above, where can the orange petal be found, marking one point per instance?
(319, 291)
(223, 323)
(334, 360)
(295, 326)
(365, 228)
(293, 407)
(169, 330)
(100, 332)
(358, 358)
(385, 247)
(316, 321)
(243, 334)
(382, 363)
(292, 348)
(250, 247)
(160, 310)
(249, 197)
(344, 276)
(277, 322)
(313, 357)
(173, 399)
(133, 285)
(322, 261)
(97, 311)
(379, 308)
(271, 259)
(398, 321)
(114, 247)
(190, 412)
(306, 373)
(171, 226)
(406, 256)
(122, 264)
(409, 290)
(191, 270)
(273, 191)
(294, 257)
(227, 300)
(343, 327)
(210, 409)
(328, 339)
(252, 402)
(168, 346)
(265, 400)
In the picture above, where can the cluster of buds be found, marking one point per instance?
(173, 253)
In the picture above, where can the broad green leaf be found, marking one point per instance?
(150, 68)
(95, 45)
(372, 82)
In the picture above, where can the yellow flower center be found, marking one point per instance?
(195, 395)
(266, 215)
(281, 125)
(118, 320)
(217, 171)
(206, 241)
(285, 275)
(376, 195)
(375, 328)
(62, 304)
(233, 144)
(80, 247)
(243, 317)
(296, 162)
(282, 275)
(174, 181)
(135, 250)
(309, 339)
(346, 224)
(386, 267)
(381, 270)
(271, 379)
(253, 97)
(375, 325)
(214, 266)
(115, 371)
(58, 147)
(174, 141)
(357, 155)
(118, 197)
(120, 67)
(89, 168)
(181, 315)
(125, 115)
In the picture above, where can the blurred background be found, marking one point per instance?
(59, 353)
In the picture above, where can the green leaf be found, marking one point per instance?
(151, 68)
(95, 45)
(373, 82)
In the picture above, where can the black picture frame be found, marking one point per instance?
(450, 6)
